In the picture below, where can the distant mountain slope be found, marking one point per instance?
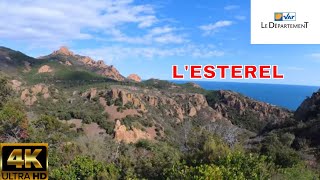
(14, 62)
(61, 64)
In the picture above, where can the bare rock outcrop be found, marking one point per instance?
(131, 136)
(68, 63)
(92, 93)
(127, 97)
(101, 64)
(111, 72)
(134, 77)
(45, 69)
(29, 96)
(172, 105)
(16, 85)
(87, 61)
(63, 51)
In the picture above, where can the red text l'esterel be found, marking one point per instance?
(227, 71)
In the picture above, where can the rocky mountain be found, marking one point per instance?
(67, 57)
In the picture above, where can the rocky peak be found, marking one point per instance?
(98, 67)
(309, 109)
(63, 51)
(134, 77)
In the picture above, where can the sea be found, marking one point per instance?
(287, 96)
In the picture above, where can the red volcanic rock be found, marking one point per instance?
(63, 51)
(134, 77)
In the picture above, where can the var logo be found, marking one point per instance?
(285, 16)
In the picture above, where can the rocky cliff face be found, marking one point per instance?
(309, 109)
(232, 104)
(174, 105)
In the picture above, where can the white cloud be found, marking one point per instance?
(241, 17)
(170, 38)
(118, 52)
(52, 23)
(161, 30)
(315, 55)
(214, 27)
(60, 20)
(231, 7)
(162, 35)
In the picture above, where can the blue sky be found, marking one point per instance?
(148, 36)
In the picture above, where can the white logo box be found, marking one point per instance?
(263, 12)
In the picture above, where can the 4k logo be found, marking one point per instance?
(24, 161)
(16, 158)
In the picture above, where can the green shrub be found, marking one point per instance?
(161, 155)
(235, 165)
(287, 139)
(281, 154)
(118, 102)
(214, 148)
(13, 122)
(129, 105)
(50, 130)
(299, 171)
(202, 172)
(5, 91)
(85, 168)
(212, 98)
(107, 125)
(239, 165)
(144, 144)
